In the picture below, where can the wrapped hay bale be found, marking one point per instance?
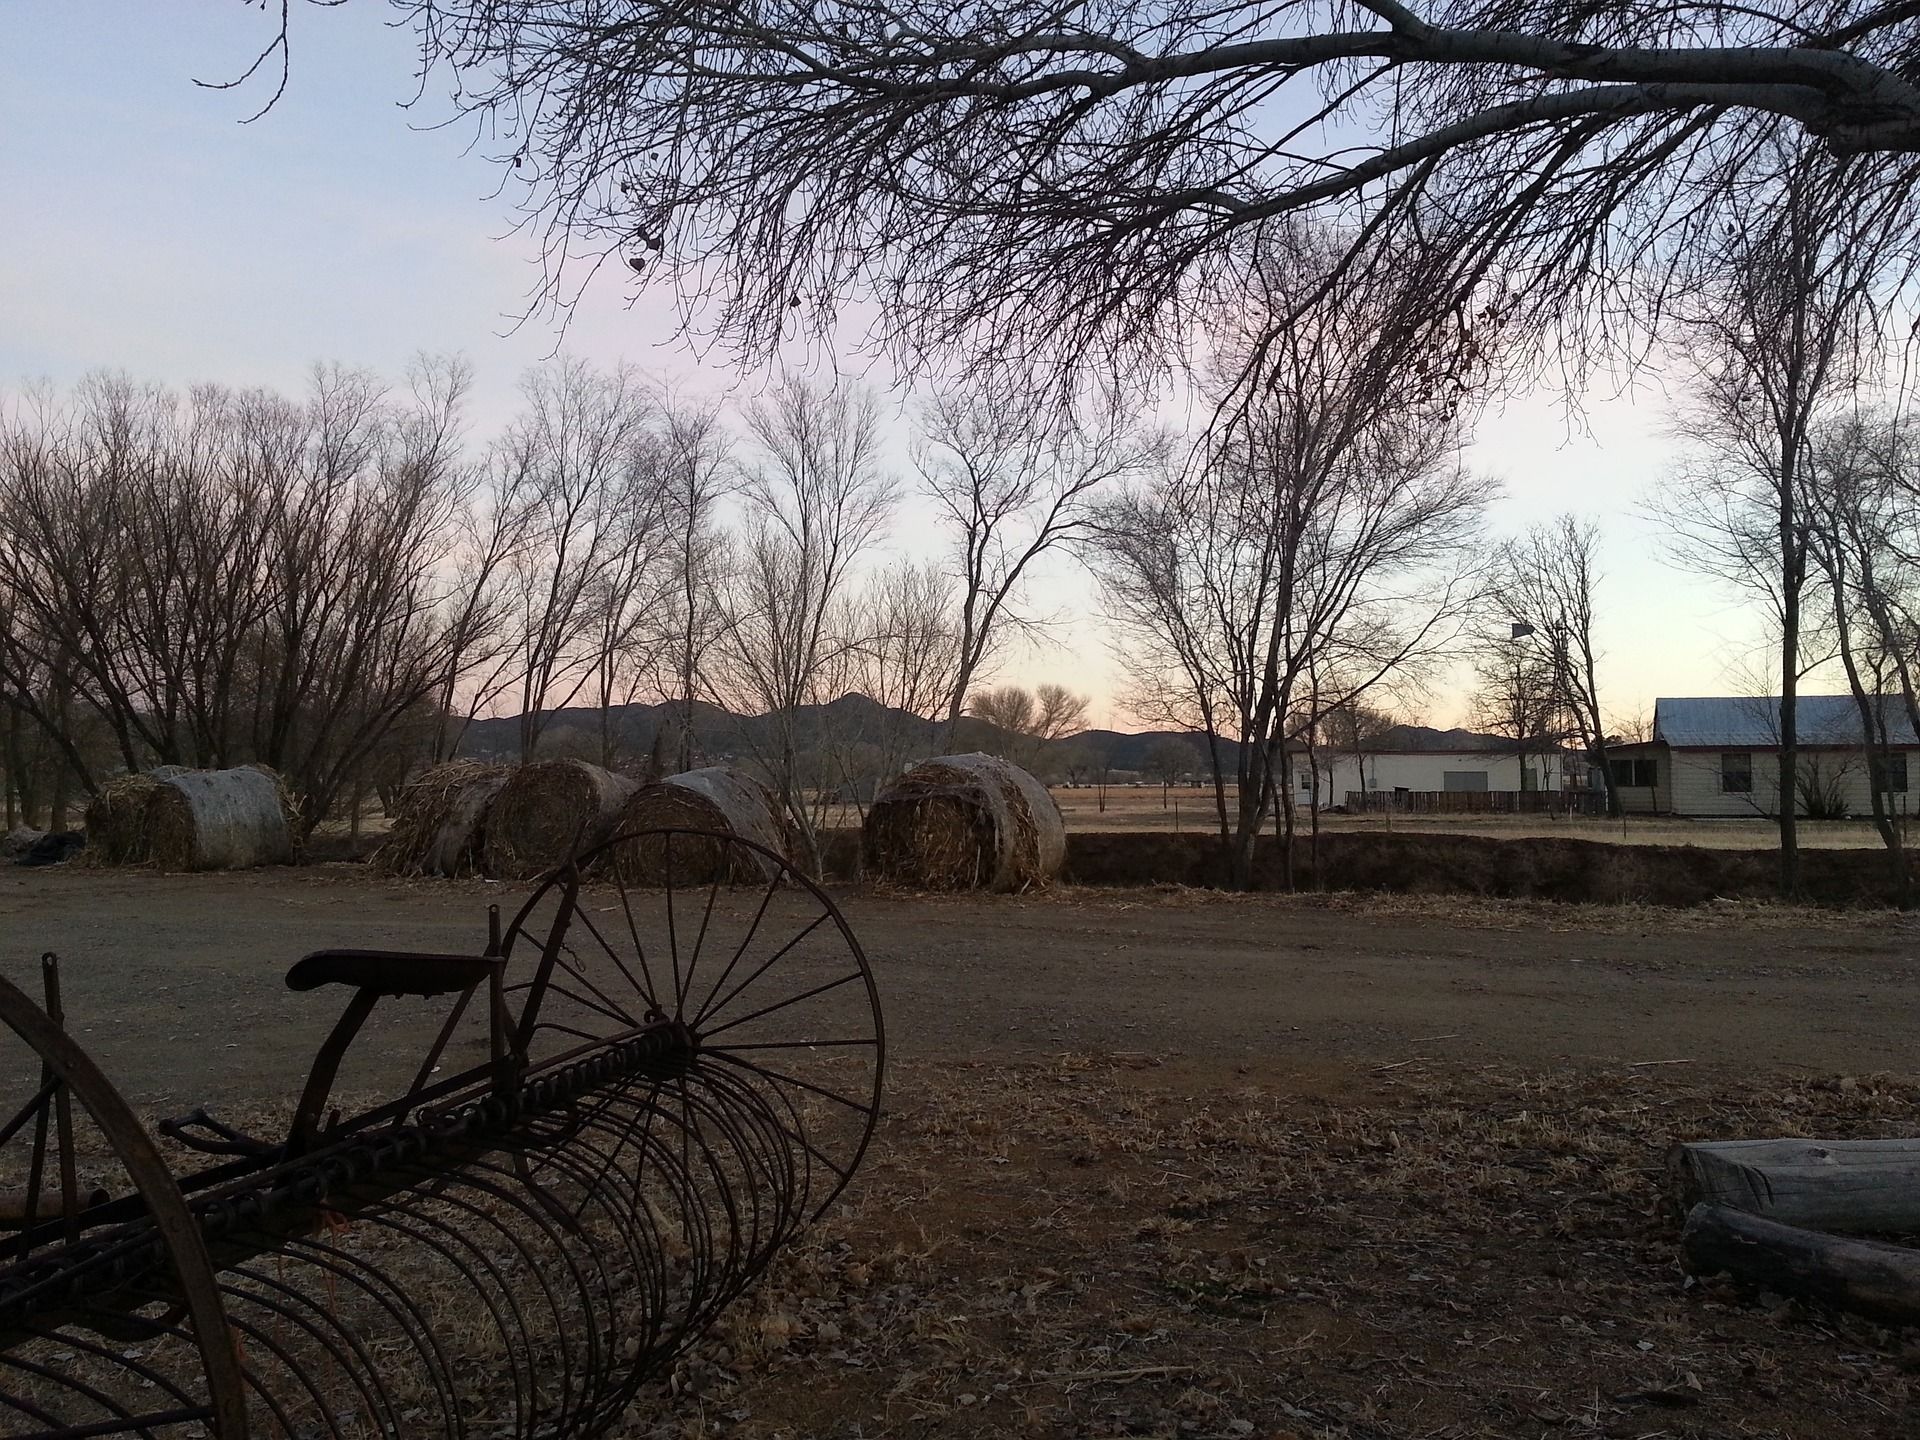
(717, 798)
(116, 817)
(217, 820)
(548, 811)
(964, 822)
(441, 824)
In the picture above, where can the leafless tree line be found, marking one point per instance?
(338, 585)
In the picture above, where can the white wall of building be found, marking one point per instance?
(1697, 782)
(1423, 770)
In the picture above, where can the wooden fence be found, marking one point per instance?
(1477, 802)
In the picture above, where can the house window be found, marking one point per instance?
(1464, 780)
(1736, 772)
(1635, 774)
(1891, 773)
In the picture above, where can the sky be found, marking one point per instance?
(146, 229)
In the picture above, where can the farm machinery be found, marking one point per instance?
(634, 1093)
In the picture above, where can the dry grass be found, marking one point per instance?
(437, 830)
(963, 822)
(1191, 811)
(717, 799)
(1106, 1247)
(115, 821)
(549, 811)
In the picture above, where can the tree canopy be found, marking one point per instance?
(1056, 184)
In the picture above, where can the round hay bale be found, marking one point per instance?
(218, 820)
(440, 824)
(716, 798)
(547, 812)
(964, 822)
(116, 817)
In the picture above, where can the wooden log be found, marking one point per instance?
(1865, 1277)
(1850, 1187)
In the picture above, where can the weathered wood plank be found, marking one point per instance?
(1844, 1186)
(1865, 1277)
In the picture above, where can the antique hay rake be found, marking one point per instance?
(637, 1095)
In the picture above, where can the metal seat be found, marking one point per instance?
(390, 972)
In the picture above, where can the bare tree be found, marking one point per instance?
(1549, 581)
(1170, 760)
(1011, 487)
(1785, 322)
(698, 561)
(907, 657)
(239, 577)
(1861, 485)
(1327, 527)
(580, 454)
(1518, 697)
(1059, 187)
(1029, 721)
(815, 499)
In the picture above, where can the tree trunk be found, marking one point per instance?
(1860, 1187)
(1283, 791)
(1880, 1282)
(1792, 576)
(1873, 731)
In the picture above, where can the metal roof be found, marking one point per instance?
(1752, 722)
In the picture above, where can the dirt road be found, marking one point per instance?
(176, 981)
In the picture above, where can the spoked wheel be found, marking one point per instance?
(111, 1321)
(781, 1050)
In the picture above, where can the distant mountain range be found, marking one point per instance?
(720, 734)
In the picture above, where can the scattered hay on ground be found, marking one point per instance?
(441, 824)
(964, 822)
(547, 812)
(717, 798)
(217, 820)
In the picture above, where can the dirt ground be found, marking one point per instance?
(1191, 1165)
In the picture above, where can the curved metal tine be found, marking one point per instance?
(33, 1412)
(500, 1291)
(393, 1298)
(556, 1258)
(299, 1310)
(122, 1419)
(439, 1187)
(339, 1265)
(795, 1133)
(74, 1338)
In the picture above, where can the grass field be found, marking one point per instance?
(1190, 810)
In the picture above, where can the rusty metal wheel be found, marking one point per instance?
(111, 1321)
(725, 938)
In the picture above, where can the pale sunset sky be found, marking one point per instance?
(145, 229)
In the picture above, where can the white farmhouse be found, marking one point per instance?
(1720, 756)
(1409, 764)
